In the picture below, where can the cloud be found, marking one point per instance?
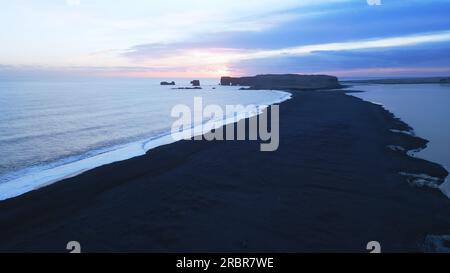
(73, 2)
(32, 72)
(220, 35)
(161, 56)
(402, 41)
(52, 34)
(427, 59)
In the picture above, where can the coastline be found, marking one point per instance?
(417, 179)
(435, 148)
(54, 172)
(333, 185)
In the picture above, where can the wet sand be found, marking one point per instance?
(333, 185)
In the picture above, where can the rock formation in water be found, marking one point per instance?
(187, 88)
(284, 82)
(168, 83)
(195, 83)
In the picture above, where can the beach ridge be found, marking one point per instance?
(333, 185)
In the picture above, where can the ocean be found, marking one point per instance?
(425, 107)
(51, 130)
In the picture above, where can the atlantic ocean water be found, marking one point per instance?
(58, 128)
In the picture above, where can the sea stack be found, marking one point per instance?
(284, 82)
(195, 83)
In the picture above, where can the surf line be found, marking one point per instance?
(265, 127)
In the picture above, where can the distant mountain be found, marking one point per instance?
(404, 80)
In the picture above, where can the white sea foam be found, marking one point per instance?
(43, 176)
(445, 188)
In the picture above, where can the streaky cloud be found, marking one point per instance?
(391, 42)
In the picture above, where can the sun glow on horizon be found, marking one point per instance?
(211, 38)
(213, 72)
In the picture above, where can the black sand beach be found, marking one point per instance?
(333, 185)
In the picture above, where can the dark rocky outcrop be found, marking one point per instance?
(168, 83)
(284, 82)
(187, 88)
(195, 83)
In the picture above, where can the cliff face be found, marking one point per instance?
(286, 81)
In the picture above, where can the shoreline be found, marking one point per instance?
(412, 152)
(107, 155)
(333, 185)
(442, 184)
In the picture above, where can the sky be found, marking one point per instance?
(213, 38)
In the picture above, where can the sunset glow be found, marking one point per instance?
(154, 39)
